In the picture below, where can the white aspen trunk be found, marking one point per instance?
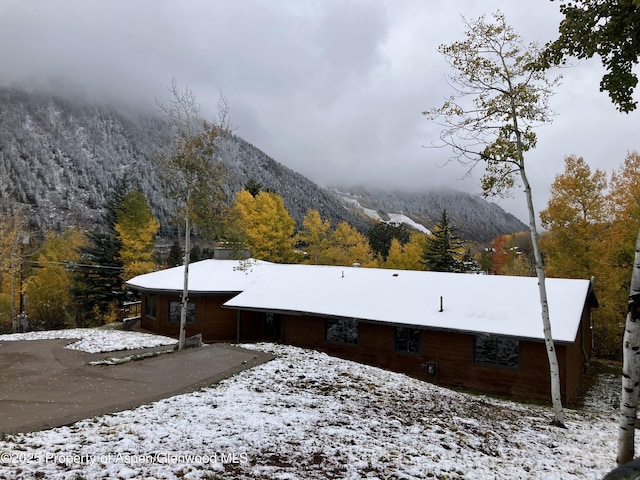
(14, 316)
(629, 396)
(554, 369)
(630, 368)
(185, 288)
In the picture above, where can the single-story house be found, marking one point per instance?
(478, 332)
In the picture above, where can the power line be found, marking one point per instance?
(74, 265)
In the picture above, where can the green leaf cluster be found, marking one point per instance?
(609, 29)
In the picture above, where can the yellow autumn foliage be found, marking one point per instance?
(48, 289)
(136, 227)
(407, 256)
(592, 227)
(265, 226)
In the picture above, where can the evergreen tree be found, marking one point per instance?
(175, 255)
(98, 285)
(443, 248)
(253, 186)
(381, 235)
(468, 261)
(196, 254)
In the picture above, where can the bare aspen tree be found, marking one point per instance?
(190, 173)
(631, 368)
(499, 97)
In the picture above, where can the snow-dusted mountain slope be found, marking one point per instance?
(474, 217)
(351, 202)
(61, 158)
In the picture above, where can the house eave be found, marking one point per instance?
(191, 293)
(394, 324)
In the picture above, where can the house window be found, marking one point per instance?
(150, 306)
(174, 312)
(497, 351)
(344, 330)
(272, 325)
(407, 340)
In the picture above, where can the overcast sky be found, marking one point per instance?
(333, 89)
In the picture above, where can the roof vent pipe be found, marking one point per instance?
(441, 309)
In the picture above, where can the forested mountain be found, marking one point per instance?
(60, 158)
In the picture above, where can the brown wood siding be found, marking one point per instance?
(587, 331)
(576, 352)
(452, 352)
(216, 324)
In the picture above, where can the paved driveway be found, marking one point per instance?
(44, 385)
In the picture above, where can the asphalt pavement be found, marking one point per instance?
(44, 385)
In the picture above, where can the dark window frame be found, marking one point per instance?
(174, 312)
(497, 351)
(407, 340)
(150, 306)
(340, 331)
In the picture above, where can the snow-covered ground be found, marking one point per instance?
(306, 415)
(96, 340)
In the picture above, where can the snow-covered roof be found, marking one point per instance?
(206, 276)
(491, 304)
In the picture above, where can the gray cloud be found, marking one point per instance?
(332, 89)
